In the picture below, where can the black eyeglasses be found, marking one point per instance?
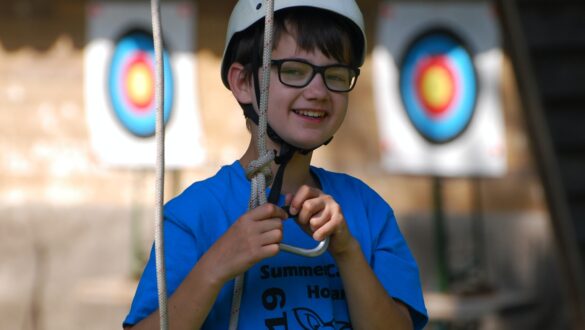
(299, 73)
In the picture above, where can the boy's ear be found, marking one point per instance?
(240, 85)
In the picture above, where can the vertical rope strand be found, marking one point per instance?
(160, 166)
(261, 167)
(264, 86)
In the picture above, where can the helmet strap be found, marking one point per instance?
(285, 155)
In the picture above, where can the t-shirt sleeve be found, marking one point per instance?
(179, 251)
(393, 262)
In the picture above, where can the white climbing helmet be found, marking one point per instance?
(248, 12)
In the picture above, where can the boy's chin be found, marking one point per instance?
(307, 145)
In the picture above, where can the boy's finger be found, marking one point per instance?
(271, 237)
(270, 224)
(324, 230)
(311, 208)
(288, 198)
(267, 211)
(304, 193)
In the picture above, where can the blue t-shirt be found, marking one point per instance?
(286, 291)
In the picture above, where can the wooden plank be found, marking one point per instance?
(572, 166)
(553, 25)
(453, 307)
(566, 123)
(560, 74)
(546, 162)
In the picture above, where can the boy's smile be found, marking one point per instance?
(312, 115)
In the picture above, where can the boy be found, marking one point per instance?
(367, 279)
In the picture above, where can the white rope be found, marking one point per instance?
(160, 166)
(259, 170)
(264, 157)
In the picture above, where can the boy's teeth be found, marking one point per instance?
(313, 114)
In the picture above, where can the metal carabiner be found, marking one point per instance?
(314, 252)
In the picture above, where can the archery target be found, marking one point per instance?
(119, 79)
(131, 84)
(436, 82)
(438, 85)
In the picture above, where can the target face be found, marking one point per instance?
(438, 85)
(131, 84)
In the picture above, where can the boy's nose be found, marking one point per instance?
(316, 87)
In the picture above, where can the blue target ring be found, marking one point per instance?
(438, 85)
(131, 83)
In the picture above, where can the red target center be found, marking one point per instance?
(435, 85)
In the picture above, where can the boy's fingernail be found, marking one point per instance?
(292, 210)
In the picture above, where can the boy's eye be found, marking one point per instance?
(337, 76)
(294, 70)
(340, 75)
(291, 72)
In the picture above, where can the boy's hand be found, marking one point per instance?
(320, 216)
(253, 237)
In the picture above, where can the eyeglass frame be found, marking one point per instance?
(316, 69)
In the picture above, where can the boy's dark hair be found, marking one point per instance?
(314, 29)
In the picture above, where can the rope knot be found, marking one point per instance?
(261, 165)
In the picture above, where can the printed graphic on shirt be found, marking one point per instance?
(310, 320)
(268, 271)
(289, 289)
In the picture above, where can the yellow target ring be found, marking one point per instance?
(437, 87)
(140, 84)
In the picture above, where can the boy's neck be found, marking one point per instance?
(297, 173)
(297, 170)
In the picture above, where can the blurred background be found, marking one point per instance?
(467, 118)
